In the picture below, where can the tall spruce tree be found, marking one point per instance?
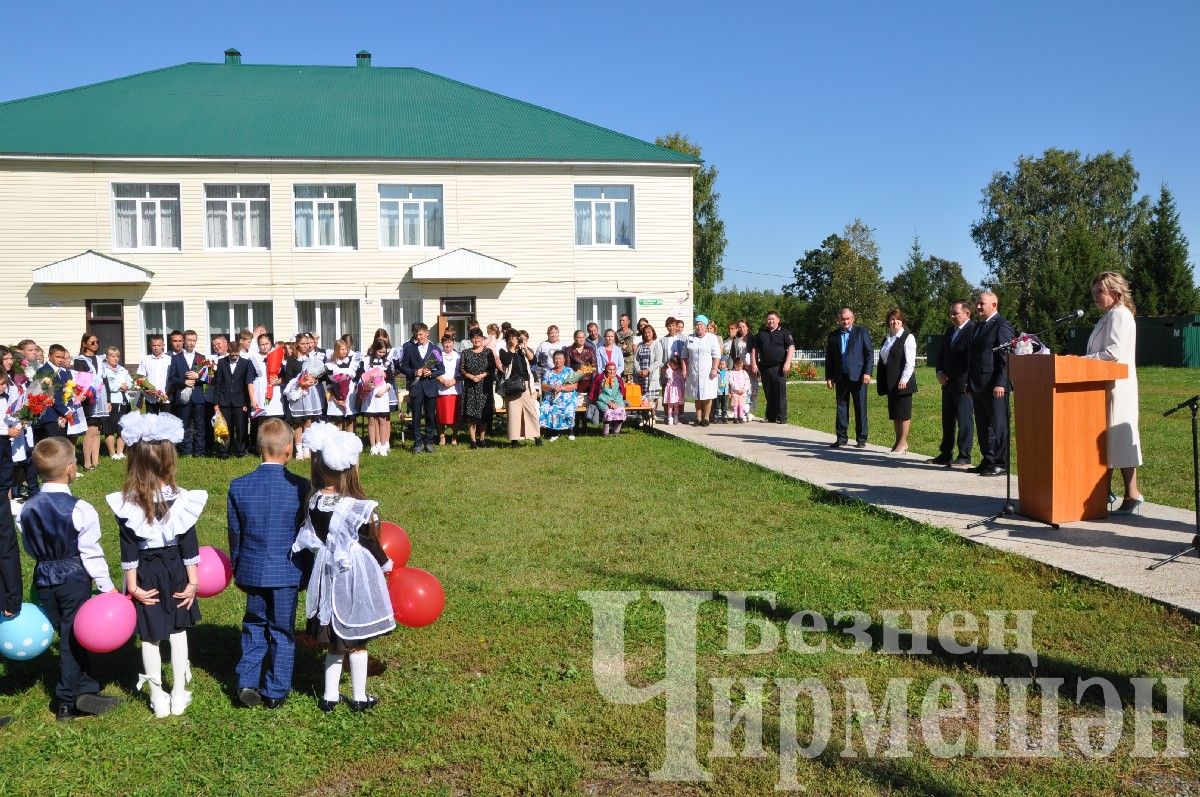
(915, 294)
(844, 271)
(1159, 272)
(708, 230)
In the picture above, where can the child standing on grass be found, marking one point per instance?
(739, 391)
(673, 389)
(62, 534)
(347, 603)
(159, 552)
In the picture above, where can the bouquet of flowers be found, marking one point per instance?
(584, 371)
(431, 359)
(220, 429)
(372, 380)
(274, 362)
(1027, 344)
(200, 366)
(341, 386)
(24, 372)
(143, 390)
(80, 389)
(314, 368)
(35, 404)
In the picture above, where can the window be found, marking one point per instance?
(398, 317)
(237, 216)
(603, 215)
(159, 318)
(329, 320)
(145, 216)
(326, 217)
(410, 215)
(604, 312)
(230, 318)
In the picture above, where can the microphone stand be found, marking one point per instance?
(1191, 403)
(1008, 509)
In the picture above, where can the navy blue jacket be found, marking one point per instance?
(177, 375)
(264, 512)
(860, 355)
(987, 369)
(59, 408)
(411, 360)
(52, 540)
(231, 382)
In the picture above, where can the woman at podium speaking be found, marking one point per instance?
(1114, 338)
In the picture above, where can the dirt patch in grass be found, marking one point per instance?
(623, 780)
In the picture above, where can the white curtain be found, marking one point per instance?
(412, 224)
(583, 223)
(169, 226)
(148, 234)
(238, 217)
(260, 224)
(348, 226)
(304, 224)
(603, 223)
(325, 224)
(389, 223)
(433, 224)
(215, 224)
(126, 224)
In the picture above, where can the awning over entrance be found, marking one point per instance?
(463, 265)
(91, 268)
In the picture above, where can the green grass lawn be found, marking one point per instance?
(498, 696)
(1165, 478)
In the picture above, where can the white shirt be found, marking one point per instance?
(87, 523)
(910, 353)
(450, 361)
(155, 369)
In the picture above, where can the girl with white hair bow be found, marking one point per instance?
(347, 603)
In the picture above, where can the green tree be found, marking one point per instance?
(1063, 284)
(949, 284)
(843, 271)
(915, 293)
(1159, 272)
(732, 304)
(1029, 212)
(708, 230)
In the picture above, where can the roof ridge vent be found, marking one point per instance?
(363, 58)
(232, 56)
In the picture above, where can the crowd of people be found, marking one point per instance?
(972, 371)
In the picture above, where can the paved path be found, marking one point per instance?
(1115, 551)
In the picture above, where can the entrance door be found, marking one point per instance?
(105, 320)
(457, 312)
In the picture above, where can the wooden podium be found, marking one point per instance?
(1062, 423)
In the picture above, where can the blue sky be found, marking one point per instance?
(814, 113)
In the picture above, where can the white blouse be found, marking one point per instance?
(910, 353)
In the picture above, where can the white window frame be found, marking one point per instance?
(632, 300)
(145, 332)
(339, 204)
(247, 201)
(250, 319)
(612, 202)
(138, 203)
(411, 200)
(338, 324)
(400, 333)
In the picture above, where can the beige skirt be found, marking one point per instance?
(523, 417)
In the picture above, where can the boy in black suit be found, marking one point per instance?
(233, 397)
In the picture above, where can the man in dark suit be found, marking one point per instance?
(233, 398)
(265, 508)
(849, 357)
(952, 376)
(987, 379)
(421, 366)
(187, 389)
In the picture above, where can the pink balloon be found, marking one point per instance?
(214, 572)
(105, 622)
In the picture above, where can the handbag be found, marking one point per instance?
(512, 386)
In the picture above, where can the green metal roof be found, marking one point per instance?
(199, 110)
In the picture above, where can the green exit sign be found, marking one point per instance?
(650, 302)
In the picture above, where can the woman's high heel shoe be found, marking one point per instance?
(1130, 506)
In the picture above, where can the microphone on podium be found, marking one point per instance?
(1071, 317)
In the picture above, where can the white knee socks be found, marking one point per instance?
(181, 673)
(333, 674)
(358, 674)
(152, 676)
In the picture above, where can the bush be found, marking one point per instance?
(805, 370)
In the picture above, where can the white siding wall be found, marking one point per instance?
(524, 216)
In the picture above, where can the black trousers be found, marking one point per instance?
(60, 604)
(991, 425)
(10, 558)
(848, 391)
(235, 419)
(44, 430)
(423, 408)
(956, 414)
(774, 387)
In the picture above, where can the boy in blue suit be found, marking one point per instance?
(265, 510)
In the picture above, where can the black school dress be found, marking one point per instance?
(161, 550)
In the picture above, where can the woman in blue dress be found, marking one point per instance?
(556, 410)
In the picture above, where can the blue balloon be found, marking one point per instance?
(25, 636)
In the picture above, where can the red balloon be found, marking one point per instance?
(417, 597)
(395, 543)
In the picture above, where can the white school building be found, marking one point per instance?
(216, 196)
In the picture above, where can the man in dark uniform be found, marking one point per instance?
(849, 358)
(952, 376)
(771, 352)
(987, 379)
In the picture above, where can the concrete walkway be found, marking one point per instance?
(1115, 551)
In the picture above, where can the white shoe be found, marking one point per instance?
(180, 699)
(160, 702)
(117, 457)
(570, 437)
(383, 450)
(551, 439)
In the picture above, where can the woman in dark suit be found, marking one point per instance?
(897, 376)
